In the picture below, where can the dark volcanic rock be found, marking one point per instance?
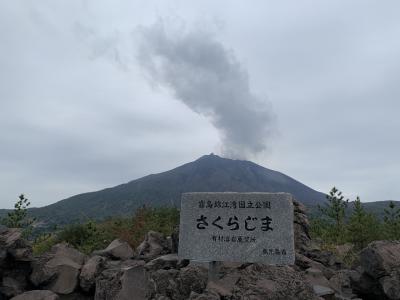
(169, 261)
(58, 270)
(117, 249)
(380, 258)
(154, 245)
(122, 280)
(177, 284)
(15, 258)
(380, 262)
(271, 282)
(37, 295)
(391, 285)
(90, 270)
(302, 240)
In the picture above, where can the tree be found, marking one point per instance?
(335, 211)
(18, 217)
(363, 227)
(392, 221)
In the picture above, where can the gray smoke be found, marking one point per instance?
(206, 76)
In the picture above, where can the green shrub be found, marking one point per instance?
(43, 243)
(133, 230)
(84, 237)
(97, 235)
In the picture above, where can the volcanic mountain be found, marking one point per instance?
(209, 173)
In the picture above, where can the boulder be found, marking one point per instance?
(154, 245)
(302, 262)
(169, 261)
(320, 284)
(90, 270)
(224, 286)
(76, 296)
(325, 257)
(342, 282)
(380, 258)
(380, 267)
(272, 282)
(192, 279)
(118, 249)
(123, 280)
(58, 270)
(37, 295)
(368, 287)
(13, 285)
(15, 259)
(323, 291)
(316, 277)
(391, 285)
(257, 282)
(207, 295)
(12, 243)
(301, 224)
(177, 284)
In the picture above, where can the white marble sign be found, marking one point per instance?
(237, 227)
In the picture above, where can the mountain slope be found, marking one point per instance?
(210, 173)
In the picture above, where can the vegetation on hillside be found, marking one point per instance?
(333, 227)
(91, 235)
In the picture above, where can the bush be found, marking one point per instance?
(43, 243)
(97, 235)
(84, 237)
(133, 230)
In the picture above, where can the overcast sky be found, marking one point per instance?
(98, 93)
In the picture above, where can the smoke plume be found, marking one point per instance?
(206, 77)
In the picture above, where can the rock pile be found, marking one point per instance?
(380, 270)
(154, 271)
(15, 263)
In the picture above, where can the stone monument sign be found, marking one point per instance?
(237, 227)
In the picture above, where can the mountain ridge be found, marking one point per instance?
(209, 173)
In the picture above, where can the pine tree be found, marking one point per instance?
(335, 211)
(392, 221)
(18, 217)
(363, 227)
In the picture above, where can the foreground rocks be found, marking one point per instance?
(118, 249)
(154, 271)
(15, 263)
(122, 280)
(37, 295)
(263, 282)
(380, 267)
(90, 271)
(155, 244)
(58, 270)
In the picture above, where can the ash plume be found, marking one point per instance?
(206, 77)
